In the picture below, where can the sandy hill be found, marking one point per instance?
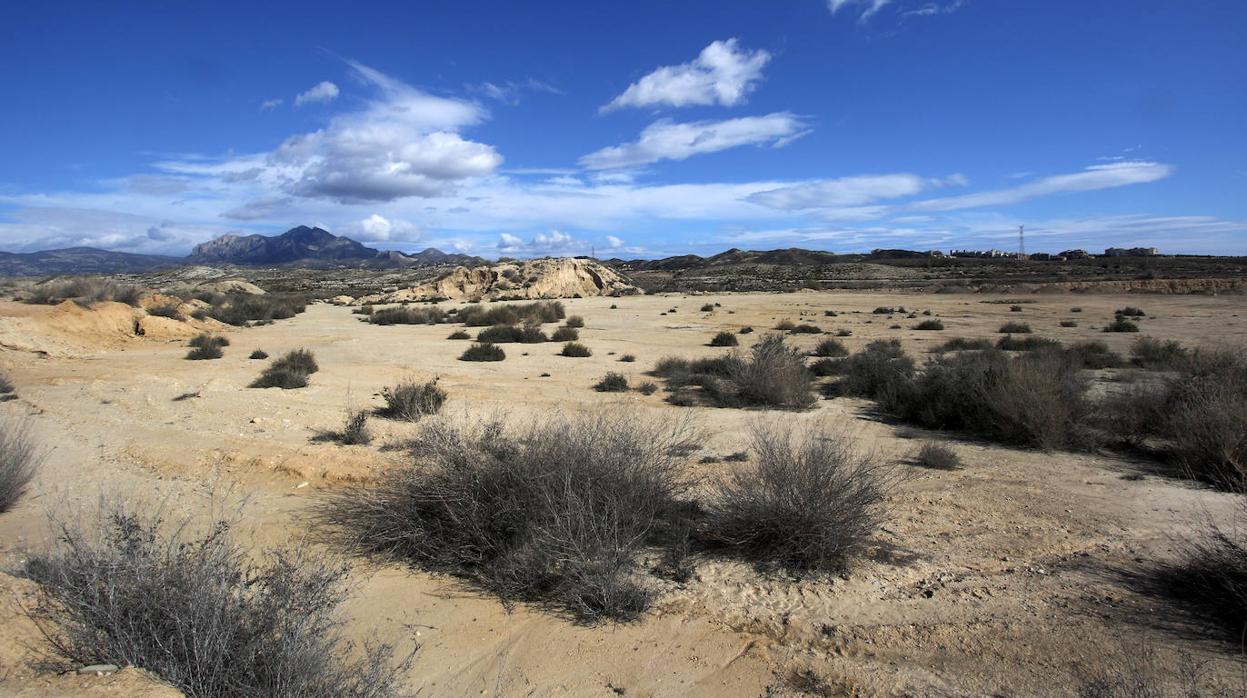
(535, 278)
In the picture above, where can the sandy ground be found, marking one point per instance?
(1000, 578)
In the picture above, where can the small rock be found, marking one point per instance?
(98, 669)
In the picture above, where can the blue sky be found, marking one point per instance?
(632, 129)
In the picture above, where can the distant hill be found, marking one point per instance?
(299, 246)
(81, 260)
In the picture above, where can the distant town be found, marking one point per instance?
(1002, 254)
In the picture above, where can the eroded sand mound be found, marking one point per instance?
(70, 329)
(536, 278)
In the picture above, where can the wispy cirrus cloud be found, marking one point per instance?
(669, 140)
(1094, 177)
(849, 191)
(723, 73)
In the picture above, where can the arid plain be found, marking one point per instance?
(1007, 577)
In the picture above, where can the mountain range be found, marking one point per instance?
(299, 246)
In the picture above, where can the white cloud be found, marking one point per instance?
(378, 228)
(258, 209)
(270, 104)
(510, 92)
(722, 74)
(554, 242)
(324, 91)
(614, 242)
(668, 140)
(845, 191)
(867, 7)
(404, 144)
(1118, 174)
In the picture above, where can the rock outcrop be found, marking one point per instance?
(535, 278)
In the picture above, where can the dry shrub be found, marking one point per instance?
(937, 456)
(288, 372)
(411, 400)
(830, 348)
(574, 321)
(511, 314)
(807, 502)
(785, 325)
(1205, 417)
(1069, 323)
(628, 358)
(1130, 311)
(206, 346)
(724, 339)
(169, 310)
(1014, 328)
(195, 610)
(407, 315)
(239, 309)
(1011, 343)
(962, 344)
(19, 457)
(84, 290)
(1158, 354)
(354, 431)
(874, 371)
(483, 352)
(503, 334)
(565, 334)
(1121, 325)
(576, 350)
(930, 325)
(258, 354)
(1140, 673)
(459, 334)
(1094, 355)
(555, 512)
(612, 383)
(1037, 399)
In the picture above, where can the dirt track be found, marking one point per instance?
(999, 578)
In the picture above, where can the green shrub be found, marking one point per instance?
(511, 314)
(502, 334)
(408, 315)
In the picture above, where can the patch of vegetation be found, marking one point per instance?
(1121, 325)
(807, 329)
(206, 346)
(885, 310)
(459, 334)
(807, 502)
(565, 334)
(288, 372)
(556, 513)
(540, 312)
(745, 330)
(962, 344)
(1011, 343)
(724, 339)
(483, 352)
(575, 350)
(647, 388)
(169, 310)
(408, 315)
(240, 309)
(785, 325)
(196, 611)
(1095, 355)
(503, 334)
(612, 383)
(412, 400)
(875, 371)
(627, 358)
(707, 308)
(830, 348)
(1015, 308)
(258, 354)
(1130, 311)
(19, 457)
(1014, 328)
(1069, 323)
(1159, 354)
(930, 325)
(773, 375)
(354, 431)
(844, 333)
(937, 456)
(84, 290)
(574, 321)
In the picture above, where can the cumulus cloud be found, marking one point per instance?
(1117, 174)
(668, 140)
(324, 91)
(554, 242)
(845, 191)
(378, 228)
(406, 143)
(614, 242)
(723, 73)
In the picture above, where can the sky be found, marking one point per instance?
(640, 129)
